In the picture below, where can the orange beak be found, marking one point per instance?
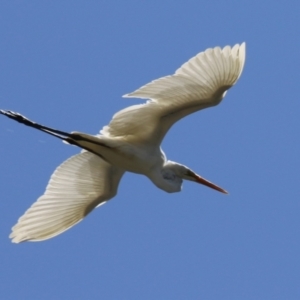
(194, 177)
(203, 181)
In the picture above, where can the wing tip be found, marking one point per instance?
(132, 95)
(242, 56)
(17, 238)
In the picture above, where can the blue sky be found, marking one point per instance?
(66, 64)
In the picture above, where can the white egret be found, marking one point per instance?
(131, 142)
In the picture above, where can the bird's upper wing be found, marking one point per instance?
(199, 83)
(77, 186)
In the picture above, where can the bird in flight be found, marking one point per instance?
(129, 143)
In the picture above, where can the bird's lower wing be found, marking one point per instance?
(199, 83)
(77, 186)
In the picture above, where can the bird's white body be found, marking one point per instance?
(130, 143)
(132, 157)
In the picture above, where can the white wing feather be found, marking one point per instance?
(199, 83)
(77, 186)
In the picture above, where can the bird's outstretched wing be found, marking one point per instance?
(199, 83)
(77, 186)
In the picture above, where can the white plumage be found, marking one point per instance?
(77, 186)
(131, 142)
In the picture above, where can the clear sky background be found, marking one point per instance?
(66, 64)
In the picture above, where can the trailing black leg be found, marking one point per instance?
(23, 120)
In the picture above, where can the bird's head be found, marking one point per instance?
(173, 174)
